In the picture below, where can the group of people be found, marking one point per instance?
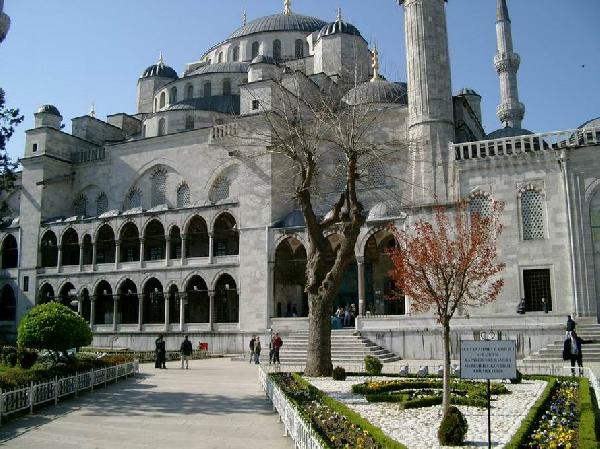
(274, 347)
(160, 351)
(346, 314)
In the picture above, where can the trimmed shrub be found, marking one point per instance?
(518, 379)
(339, 373)
(9, 356)
(27, 358)
(453, 428)
(373, 366)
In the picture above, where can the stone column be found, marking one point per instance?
(362, 299)
(211, 243)
(117, 253)
(79, 306)
(142, 247)
(140, 310)
(167, 299)
(94, 255)
(167, 250)
(211, 309)
(59, 259)
(183, 248)
(81, 257)
(115, 311)
(407, 305)
(181, 312)
(92, 311)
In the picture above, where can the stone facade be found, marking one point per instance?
(166, 221)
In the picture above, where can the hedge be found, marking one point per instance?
(586, 435)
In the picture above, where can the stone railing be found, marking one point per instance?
(294, 425)
(533, 143)
(25, 399)
(222, 131)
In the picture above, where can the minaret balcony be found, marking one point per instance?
(507, 62)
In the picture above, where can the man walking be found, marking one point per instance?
(572, 351)
(186, 352)
(252, 343)
(277, 343)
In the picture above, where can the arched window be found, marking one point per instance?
(376, 173)
(159, 187)
(277, 50)
(220, 189)
(103, 304)
(8, 304)
(161, 127)
(174, 303)
(80, 205)
(46, 294)
(105, 245)
(154, 241)
(189, 122)
(480, 204)
(128, 302)
(226, 236)
(196, 238)
(532, 213)
(207, 89)
(175, 242)
(154, 302)
(220, 57)
(67, 295)
(226, 86)
(227, 302)
(101, 204)
(130, 243)
(70, 247)
(299, 48)
(162, 100)
(255, 49)
(88, 250)
(197, 308)
(189, 92)
(10, 252)
(173, 95)
(183, 195)
(134, 199)
(236, 54)
(49, 249)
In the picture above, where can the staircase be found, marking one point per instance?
(552, 353)
(347, 346)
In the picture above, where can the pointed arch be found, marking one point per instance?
(197, 308)
(183, 195)
(133, 198)
(175, 242)
(154, 302)
(8, 304)
(226, 235)
(10, 252)
(70, 247)
(103, 303)
(45, 293)
(128, 306)
(129, 237)
(227, 302)
(68, 295)
(158, 179)
(101, 204)
(154, 241)
(196, 237)
(105, 244)
(49, 249)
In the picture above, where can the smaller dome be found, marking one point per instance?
(468, 91)
(338, 27)
(295, 219)
(377, 91)
(594, 123)
(262, 59)
(508, 132)
(381, 211)
(161, 70)
(48, 109)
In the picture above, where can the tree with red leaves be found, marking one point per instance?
(449, 264)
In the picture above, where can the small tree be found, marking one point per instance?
(449, 264)
(9, 118)
(54, 327)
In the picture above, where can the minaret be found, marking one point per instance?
(511, 110)
(431, 115)
(4, 22)
(287, 7)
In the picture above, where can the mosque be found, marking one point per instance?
(158, 222)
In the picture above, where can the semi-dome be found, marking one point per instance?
(338, 27)
(508, 131)
(594, 123)
(382, 211)
(160, 69)
(221, 67)
(280, 22)
(377, 91)
(294, 219)
(48, 109)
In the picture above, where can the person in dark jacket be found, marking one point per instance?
(257, 350)
(186, 352)
(252, 342)
(157, 352)
(572, 352)
(277, 343)
(570, 326)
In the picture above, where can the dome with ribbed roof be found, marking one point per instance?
(377, 91)
(468, 91)
(280, 22)
(160, 69)
(338, 27)
(594, 123)
(48, 109)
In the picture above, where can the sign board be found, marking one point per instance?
(485, 359)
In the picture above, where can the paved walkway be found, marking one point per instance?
(217, 403)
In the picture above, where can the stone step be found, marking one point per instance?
(552, 353)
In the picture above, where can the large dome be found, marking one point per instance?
(594, 123)
(280, 22)
(377, 91)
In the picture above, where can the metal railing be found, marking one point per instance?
(23, 399)
(294, 425)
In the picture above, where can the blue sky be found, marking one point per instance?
(71, 53)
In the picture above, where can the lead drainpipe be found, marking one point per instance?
(562, 162)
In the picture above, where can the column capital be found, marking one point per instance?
(360, 259)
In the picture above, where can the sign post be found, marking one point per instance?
(488, 359)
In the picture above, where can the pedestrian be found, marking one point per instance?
(157, 356)
(347, 316)
(521, 307)
(252, 342)
(271, 349)
(570, 326)
(294, 311)
(257, 350)
(185, 351)
(162, 352)
(277, 343)
(572, 351)
(544, 305)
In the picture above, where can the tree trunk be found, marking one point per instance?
(446, 382)
(318, 361)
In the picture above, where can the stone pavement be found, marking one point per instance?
(217, 403)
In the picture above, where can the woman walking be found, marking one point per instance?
(257, 350)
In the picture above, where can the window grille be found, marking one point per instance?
(159, 187)
(101, 204)
(236, 54)
(299, 49)
(134, 199)
(220, 189)
(226, 87)
(207, 89)
(532, 212)
(80, 205)
(155, 253)
(183, 195)
(189, 92)
(161, 127)
(277, 50)
(376, 173)
(255, 49)
(480, 204)
(189, 122)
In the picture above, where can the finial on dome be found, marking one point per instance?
(287, 7)
(244, 17)
(92, 112)
(339, 15)
(375, 63)
(160, 59)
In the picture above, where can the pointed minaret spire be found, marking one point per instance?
(244, 17)
(92, 112)
(339, 15)
(160, 59)
(287, 7)
(375, 63)
(510, 111)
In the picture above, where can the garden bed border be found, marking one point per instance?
(23, 399)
